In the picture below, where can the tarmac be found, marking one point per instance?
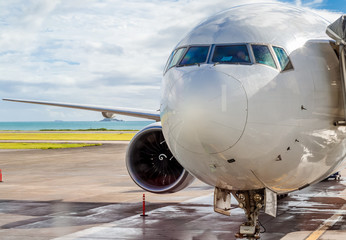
(86, 193)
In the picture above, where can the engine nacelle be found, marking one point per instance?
(108, 115)
(151, 164)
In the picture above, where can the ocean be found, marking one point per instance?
(56, 125)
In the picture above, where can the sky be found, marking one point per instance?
(99, 52)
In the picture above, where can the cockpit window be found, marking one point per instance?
(169, 60)
(195, 55)
(231, 54)
(284, 61)
(263, 55)
(175, 57)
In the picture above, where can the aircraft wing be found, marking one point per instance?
(141, 113)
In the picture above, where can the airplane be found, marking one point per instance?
(253, 103)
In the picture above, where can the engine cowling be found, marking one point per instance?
(151, 164)
(108, 115)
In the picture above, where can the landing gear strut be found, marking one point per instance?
(251, 202)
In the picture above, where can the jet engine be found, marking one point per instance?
(151, 164)
(108, 115)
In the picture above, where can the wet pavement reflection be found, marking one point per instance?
(305, 210)
(185, 215)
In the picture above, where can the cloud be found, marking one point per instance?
(313, 3)
(93, 51)
(298, 3)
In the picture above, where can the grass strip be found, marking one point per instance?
(68, 136)
(43, 145)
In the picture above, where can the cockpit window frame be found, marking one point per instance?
(165, 69)
(168, 66)
(277, 59)
(211, 54)
(211, 51)
(271, 51)
(187, 50)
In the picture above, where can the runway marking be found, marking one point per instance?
(328, 223)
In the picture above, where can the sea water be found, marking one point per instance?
(56, 125)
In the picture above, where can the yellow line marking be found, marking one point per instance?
(325, 226)
(328, 223)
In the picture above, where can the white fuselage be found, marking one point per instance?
(243, 127)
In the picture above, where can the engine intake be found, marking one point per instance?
(151, 164)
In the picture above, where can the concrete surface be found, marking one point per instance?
(86, 193)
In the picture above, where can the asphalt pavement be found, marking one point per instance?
(86, 193)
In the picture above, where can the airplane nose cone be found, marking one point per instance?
(204, 111)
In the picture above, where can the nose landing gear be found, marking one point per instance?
(251, 202)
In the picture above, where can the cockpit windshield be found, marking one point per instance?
(239, 53)
(263, 55)
(284, 61)
(195, 55)
(174, 58)
(236, 54)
